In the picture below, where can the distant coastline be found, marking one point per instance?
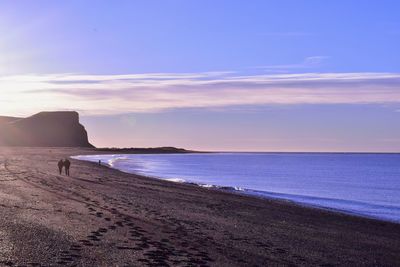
(147, 150)
(176, 150)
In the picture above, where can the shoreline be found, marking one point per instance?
(104, 217)
(242, 192)
(251, 192)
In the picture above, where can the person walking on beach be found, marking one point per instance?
(67, 164)
(60, 165)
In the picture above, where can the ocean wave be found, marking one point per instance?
(113, 161)
(175, 180)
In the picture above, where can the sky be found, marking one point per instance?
(209, 75)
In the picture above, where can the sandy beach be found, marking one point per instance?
(102, 217)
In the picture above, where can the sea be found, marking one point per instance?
(361, 184)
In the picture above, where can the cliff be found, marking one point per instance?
(45, 129)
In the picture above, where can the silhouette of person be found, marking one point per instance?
(67, 164)
(60, 165)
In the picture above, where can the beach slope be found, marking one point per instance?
(102, 217)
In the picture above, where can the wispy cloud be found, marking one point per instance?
(112, 94)
(288, 34)
(308, 62)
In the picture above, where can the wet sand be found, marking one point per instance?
(103, 217)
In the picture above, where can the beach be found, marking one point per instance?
(103, 217)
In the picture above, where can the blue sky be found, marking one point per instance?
(215, 75)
